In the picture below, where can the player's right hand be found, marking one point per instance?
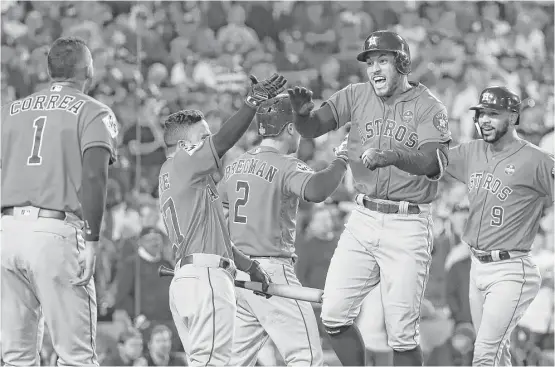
(301, 100)
(86, 259)
(258, 274)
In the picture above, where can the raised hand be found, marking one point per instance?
(301, 100)
(264, 90)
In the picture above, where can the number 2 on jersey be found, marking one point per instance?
(497, 216)
(35, 159)
(241, 185)
(171, 221)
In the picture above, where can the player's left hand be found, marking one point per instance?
(258, 274)
(341, 151)
(264, 90)
(376, 158)
(87, 260)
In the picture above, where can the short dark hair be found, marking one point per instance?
(159, 329)
(65, 57)
(175, 123)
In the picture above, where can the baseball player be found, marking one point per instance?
(509, 183)
(202, 293)
(397, 151)
(263, 187)
(56, 147)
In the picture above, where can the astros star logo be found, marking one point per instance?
(373, 42)
(510, 169)
(488, 97)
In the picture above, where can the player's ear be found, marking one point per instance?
(513, 118)
(291, 128)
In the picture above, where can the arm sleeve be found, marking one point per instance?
(433, 126)
(199, 160)
(100, 131)
(544, 177)
(341, 103)
(296, 177)
(458, 162)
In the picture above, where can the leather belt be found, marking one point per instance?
(43, 213)
(387, 208)
(209, 261)
(496, 255)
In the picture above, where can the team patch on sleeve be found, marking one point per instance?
(111, 124)
(303, 167)
(441, 122)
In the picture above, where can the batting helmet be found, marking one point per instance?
(273, 115)
(388, 41)
(500, 99)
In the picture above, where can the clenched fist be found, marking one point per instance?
(376, 158)
(301, 100)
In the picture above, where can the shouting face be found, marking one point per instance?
(382, 72)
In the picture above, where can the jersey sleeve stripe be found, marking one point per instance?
(434, 140)
(304, 184)
(99, 143)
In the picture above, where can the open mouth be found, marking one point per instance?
(379, 81)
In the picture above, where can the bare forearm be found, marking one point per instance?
(242, 261)
(417, 163)
(94, 183)
(316, 123)
(322, 184)
(232, 130)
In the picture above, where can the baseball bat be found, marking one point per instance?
(279, 290)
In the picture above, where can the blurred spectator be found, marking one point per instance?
(159, 348)
(129, 350)
(139, 289)
(154, 58)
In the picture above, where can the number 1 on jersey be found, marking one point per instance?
(241, 185)
(497, 216)
(35, 159)
(170, 220)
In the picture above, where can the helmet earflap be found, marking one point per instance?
(402, 62)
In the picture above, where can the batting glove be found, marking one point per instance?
(341, 151)
(258, 274)
(264, 90)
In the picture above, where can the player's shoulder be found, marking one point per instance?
(426, 97)
(95, 105)
(295, 164)
(535, 153)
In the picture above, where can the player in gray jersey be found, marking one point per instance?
(510, 182)
(263, 187)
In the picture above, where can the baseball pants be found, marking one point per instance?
(39, 258)
(290, 324)
(499, 294)
(391, 249)
(202, 302)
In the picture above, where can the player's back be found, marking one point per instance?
(42, 146)
(260, 188)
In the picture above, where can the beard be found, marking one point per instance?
(492, 136)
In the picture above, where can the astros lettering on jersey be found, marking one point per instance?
(406, 123)
(506, 190)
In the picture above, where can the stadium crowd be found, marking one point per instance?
(153, 58)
